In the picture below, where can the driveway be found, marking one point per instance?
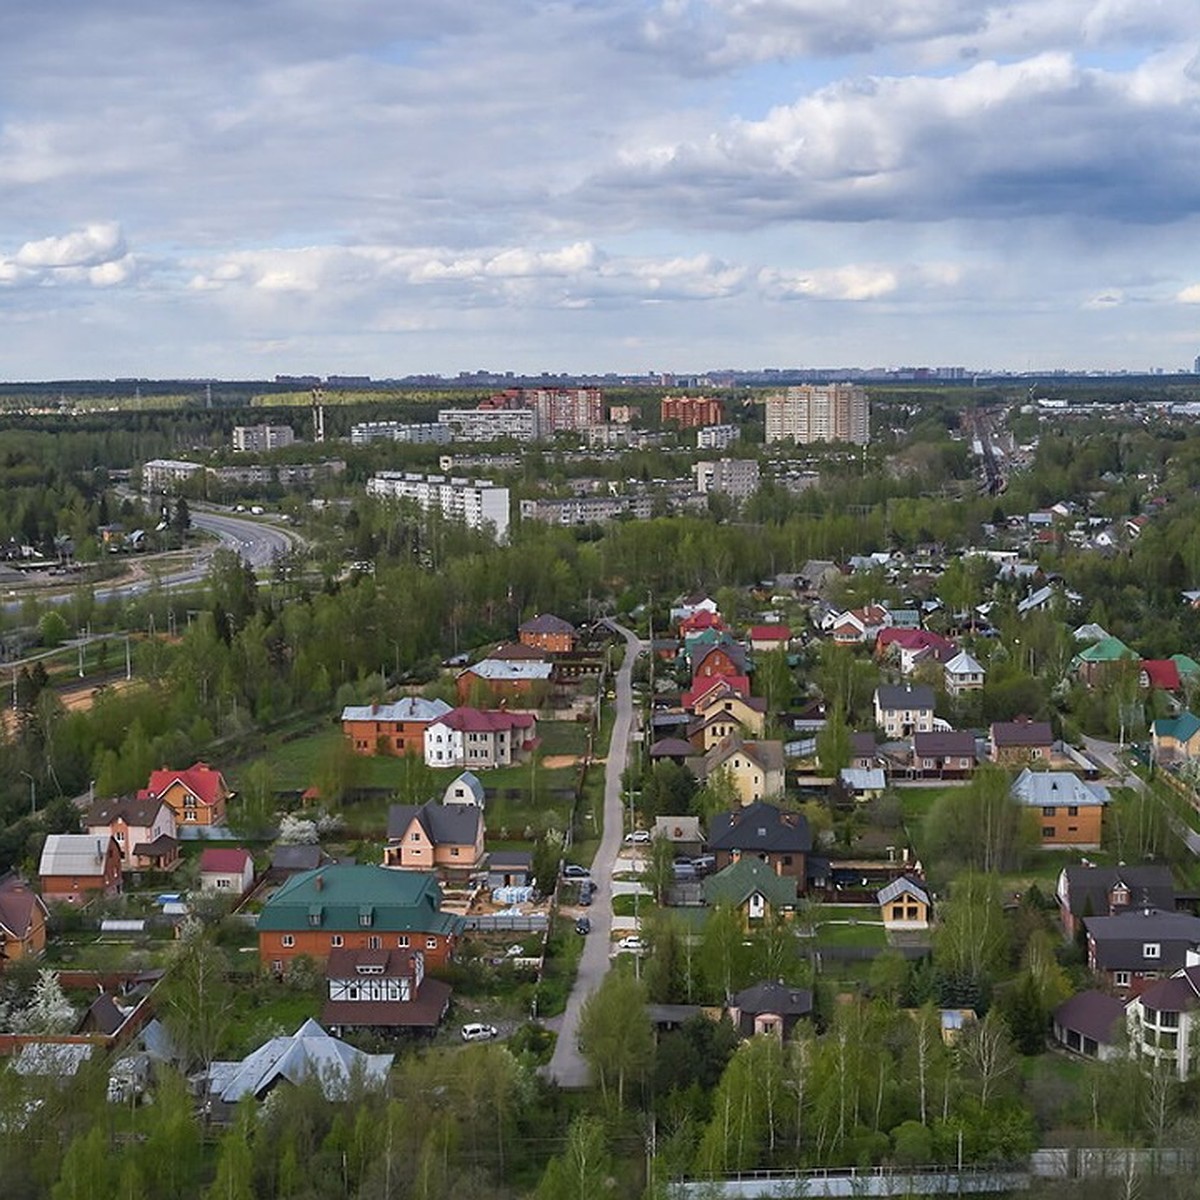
(567, 1067)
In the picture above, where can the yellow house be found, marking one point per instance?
(904, 904)
(750, 712)
(756, 768)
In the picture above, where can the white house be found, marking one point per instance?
(903, 711)
(963, 674)
(464, 789)
(227, 871)
(1163, 1022)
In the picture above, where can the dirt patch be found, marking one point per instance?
(553, 761)
(82, 698)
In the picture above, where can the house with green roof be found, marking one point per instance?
(1091, 662)
(750, 886)
(338, 907)
(1176, 739)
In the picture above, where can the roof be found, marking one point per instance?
(1148, 886)
(479, 720)
(678, 829)
(912, 639)
(424, 1011)
(1094, 1014)
(444, 824)
(338, 896)
(163, 846)
(133, 810)
(60, 1059)
(1120, 940)
(412, 709)
(519, 650)
(740, 880)
(891, 696)
(1182, 728)
(505, 857)
(546, 623)
(1180, 993)
(862, 745)
(225, 862)
(75, 854)
(468, 782)
(510, 669)
(1185, 664)
(104, 1015)
(771, 996)
(1162, 673)
(17, 903)
(296, 858)
(863, 779)
(1022, 733)
(770, 633)
(1107, 649)
(768, 755)
(672, 748)
(959, 743)
(205, 783)
(903, 886)
(1049, 789)
(378, 964)
(963, 663)
(309, 1053)
(760, 827)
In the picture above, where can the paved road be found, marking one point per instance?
(567, 1067)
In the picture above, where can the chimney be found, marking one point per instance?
(318, 883)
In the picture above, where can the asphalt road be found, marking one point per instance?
(567, 1067)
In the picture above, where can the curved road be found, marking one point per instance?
(567, 1067)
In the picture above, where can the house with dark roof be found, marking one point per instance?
(386, 991)
(864, 751)
(447, 838)
(291, 860)
(480, 739)
(340, 907)
(1132, 949)
(23, 916)
(1176, 739)
(782, 839)
(228, 871)
(1084, 891)
(548, 632)
(1022, 741)
(1164, 1022)
(397, 728)
(755, 768)
(1090, 1023)
(753, 888)
(902, 710)
(1069, 810)
(465, 789)
(143, 828)
(943, 754)
(198, 795)
(770, 1007)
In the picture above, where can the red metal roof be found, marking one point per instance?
(203, 781)
(224, 862)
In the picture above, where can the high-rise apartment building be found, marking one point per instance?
(476, 502)
(831, 412)
(565, 410)
(691, 412)
(257, 438)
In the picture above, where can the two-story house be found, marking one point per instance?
(944, 754)
(143, 828)
(755, 768)
(1084, 891)
(1163, 1022)
(23, 916)
(904, 709)
(383, 990)
(446, 838)
(77, 867)
(1130, 950)
(1069, 810)
(198, 795)
(550, 633)
(781, 839)
(751, 887)
(1016, 743)
(963, 673)
(397, 728)
(479, 738)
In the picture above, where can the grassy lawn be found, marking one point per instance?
(869, 936)
(264, 1010)
(915, 803)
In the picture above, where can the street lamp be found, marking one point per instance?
(32, 793)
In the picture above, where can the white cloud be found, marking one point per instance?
(1189, 294)
(97, 243)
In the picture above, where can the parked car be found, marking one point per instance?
(684, 870)
(583, 925)
(638, 836)
(705, 863)
(632, 943)
(585, 893)
(476, 1032)
(572, 871)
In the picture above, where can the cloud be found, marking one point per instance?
(96, 255)
(1189, 294)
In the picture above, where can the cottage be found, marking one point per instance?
(751, 887)
(781, 839)
(1070, 810)
(550, 633)
(901, 711)
(1163, 1022)
(1100, 657)
(944, 754)
(726, 702)
(904, 905)
(447, 838)
(143, 828)
(1132, 949)
(765, 638)
(863, 783)
(23, 916)
(383, 990)
(227, 871)
(771, 1008)
(1160, 673)
(509, 868)
(755, 768)
(479, 738)
(1021, 741)
(1086, 891)
(1176, 739)
(76, 867)
(465, 789)
(963, 674)
(397, 728)
(197, 795)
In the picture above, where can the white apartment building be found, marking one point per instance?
(399, 431)
(832, 412)
(716, 437)
(161, 474)
(564, 410)
(477, 503)
(491, 424)
(734, 477)
(257, 438)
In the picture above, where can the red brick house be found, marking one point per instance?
(550, 633)
(76, 867)
(197, 795)
(23, 916)
(391, 728)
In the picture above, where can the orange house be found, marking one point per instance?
(197, 796)
(1069, 810)
(447, 838)
(22, 921)
(391, 728)
(77, 866)
(550, 633)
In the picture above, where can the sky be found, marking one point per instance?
(240, 188)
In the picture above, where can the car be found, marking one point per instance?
(638, 836)
(571, 871)
(476, 1032)
(514, 951)
(583, 925)
(632, 943)
(705, 863)
(585, 894)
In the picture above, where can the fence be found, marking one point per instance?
(507, 922)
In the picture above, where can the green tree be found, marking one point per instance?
(615, 1035)
(235, 1158)
(584, 1170)
(833, 743)
(196, 996)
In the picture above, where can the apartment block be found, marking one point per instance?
(735, 477)
(691, 412)
(257, 438)
(477, 503)
(491, 424)
(833, 412)
(716, 437)
(399, 431)
(565, 410)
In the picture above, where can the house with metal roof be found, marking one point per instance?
(480, 738)
(143, 827)
(23, 916)
(197, 795)
(397, 728)
(753, 888)
(963, 673)
(770, 1007)
(447, 838)
(1092, 662)
(1091, 1023)
(1070, 810)
(756, 768)
(228, 871)
(1132, 949)
(944, 754)
(904, 904)
(1176, 739)
(548, 632)
(76, 867)
(501, 680)
(1021, 741)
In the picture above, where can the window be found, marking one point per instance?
(120, 835)
(1049, 811)
(1073, 810)
(1121, 979)
(1151, 950)
(287, 940)
(336, 940)
(453, 851)
(1168, 1020)
(1047, 831)
(431, 943)
(189, 814)
(374, 942)
(414, 836)
(222, 883)
(402, 941)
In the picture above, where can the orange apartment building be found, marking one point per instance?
(691, 412)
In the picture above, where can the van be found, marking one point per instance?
(705, 863)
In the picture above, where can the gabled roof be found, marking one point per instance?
(519, 650)
(1106, 650)
(767, 755)
(296, 858)
(203, 781)
(1182, 728)
(546, 623)
(1185, 665)
(414, 710)
(140, 810)
(1041, 789)
(1015, 734)
(232, 861)
(735, 653)
(892, 696)
(444, 824)
(309, 1053)
(772, 996)
(863, 779)
(1161, 673)
(672, 748)
(1088, 888)
(723, 689)
(770, 633)
(912, 639)
(959, 743)
(80, 855)
(1180, 993)
(1120, 940)
(17, 904)
(740, 880)
(901, 887)
(862, 745)
(760, 827)
(469, 783)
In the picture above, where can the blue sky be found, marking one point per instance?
(238, 189)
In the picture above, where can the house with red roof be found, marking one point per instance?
(769, 637)
(909, 647)
(197, 795)
(858, 625)
(229, 871)
(479, 738)
(1160, 673)
(699, 621)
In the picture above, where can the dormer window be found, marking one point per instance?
(365, 916)
(1120, 895)
(1151, 950)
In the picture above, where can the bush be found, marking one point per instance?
(912, 1145)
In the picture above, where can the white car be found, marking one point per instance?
(633, 944)
(479, 1033)
(638, 836)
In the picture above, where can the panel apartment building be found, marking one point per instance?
(691, 412)
(257, 438)
(831, 412)
(477, 503)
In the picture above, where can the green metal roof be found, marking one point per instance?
(745, 877)
(1185, 665)
(1182, 727)
(1108, 649)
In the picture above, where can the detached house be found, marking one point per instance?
(383, 990)
(1024, 741)
(391, 728)
(503, 681)
(1105, 891)
(904, 904)
(447, 838)
(143, 828)
(901, 711)
(197, 796)
(858, 625)
(1176, 738)
(765, 638)
(781, 839)
(479, 739)
(1070, 810)
(1161, 673)
(963, 674)
(227, 871)
(1163, 1023)
(550, 633)
(76, 867)
(756, 768)
(1132, 949)
(750, 886)
(948, 754)
(23, 916)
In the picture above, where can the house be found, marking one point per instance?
(1090, 1023)
(765, 638)
(904, 905)
(770, 1007)
(675, 749)
(750, 886)
(684, 833)
(143, 828)
(817, 576)
(287, 861)
(857, 626)
(1070, 810)
(755, 768)
(1176, 738)
(1132, 949)
(720, 723)
(391, 728)
(1021, 741)
(904, 710)
(1037, 601)
(864, 752)
(310, 1055)
(229, 871)
(701, 689)
(465, 789)
(510, 869)
(548, 632)
(1161, 673)
(1094, 661)
(504, 681)
(963, 673)
(863, 783)
(699, 621)
(1085, 891)
(724, 659)
(725, 701)
(23, 916)
(356, 908)
(384, 991)
(911, 647)
(479, 739)
(447, 838)
(781, 839)
(76, 867)
(197, 795)
(944, 754)
(1163, 1022)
